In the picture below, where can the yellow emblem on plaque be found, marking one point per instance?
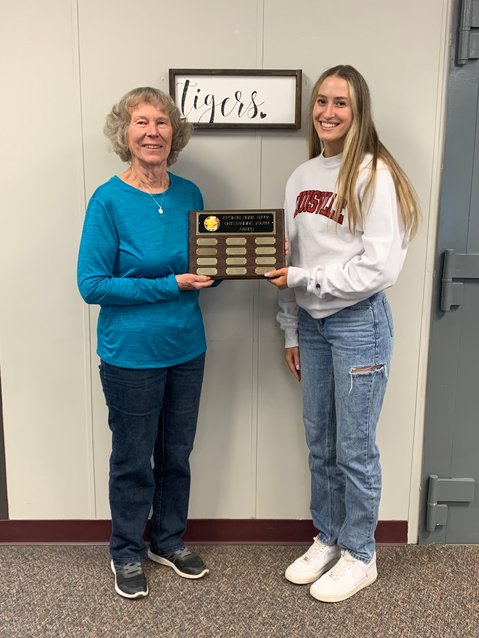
(211, 223)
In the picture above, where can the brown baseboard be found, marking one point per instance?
(232, 531)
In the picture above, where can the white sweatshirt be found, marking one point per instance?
(330, 267)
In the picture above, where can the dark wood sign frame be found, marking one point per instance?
(251, 107)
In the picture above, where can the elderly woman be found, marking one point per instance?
(151, 341)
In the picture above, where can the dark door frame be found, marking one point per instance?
(3, 473)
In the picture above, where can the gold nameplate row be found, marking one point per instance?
(236, 244)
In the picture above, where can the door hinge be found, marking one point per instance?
(450, 490)
(468, 34)
(456, 266)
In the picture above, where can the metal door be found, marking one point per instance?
(450, 474)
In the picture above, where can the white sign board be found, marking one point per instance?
(211, 98)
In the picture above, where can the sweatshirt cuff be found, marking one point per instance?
(297, 277)
(291, 338)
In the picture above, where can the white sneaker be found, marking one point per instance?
(347, 577)
(317, 560)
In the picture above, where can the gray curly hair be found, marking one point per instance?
(118, 119)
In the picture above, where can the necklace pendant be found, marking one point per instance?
(160, 210)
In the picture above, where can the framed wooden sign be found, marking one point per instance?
(238, 99)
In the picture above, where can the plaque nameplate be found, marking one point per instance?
(236, 244)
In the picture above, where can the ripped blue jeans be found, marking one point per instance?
(344, 370)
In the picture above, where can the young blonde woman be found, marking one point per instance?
(350, 212)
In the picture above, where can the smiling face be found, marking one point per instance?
(149, 135)
(332, 114)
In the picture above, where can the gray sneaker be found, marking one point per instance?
(183, 561)
(130, 580)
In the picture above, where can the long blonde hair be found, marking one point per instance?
(362, 138)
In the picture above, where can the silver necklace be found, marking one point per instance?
(159, 204)
(145, 188)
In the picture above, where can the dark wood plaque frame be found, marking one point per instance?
(236, 244)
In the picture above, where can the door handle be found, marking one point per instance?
(456, 266)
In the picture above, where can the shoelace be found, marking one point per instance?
(132, 569)
(314, 551)
(341, 567)
(184, 552)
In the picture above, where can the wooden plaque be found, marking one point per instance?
(236, 244)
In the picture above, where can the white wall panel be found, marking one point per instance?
(226, 167)
(42, 321)
(250, 459)
(124, 45)
(371, 36)
(223, 466)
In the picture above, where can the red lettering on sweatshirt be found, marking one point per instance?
(317, 203)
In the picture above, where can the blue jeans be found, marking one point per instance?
(151, 412)
(344, 370)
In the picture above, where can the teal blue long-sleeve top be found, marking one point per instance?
(129, 256)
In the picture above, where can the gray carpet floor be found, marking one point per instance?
(67, 592)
